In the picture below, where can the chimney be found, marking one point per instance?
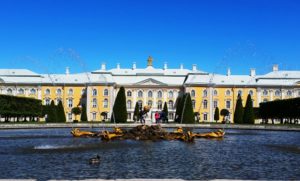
(103, 66)
(165, 66)
(252, 72)
(181, 66)
(275, 67)
(118, 65)
(228, 72)
(194, 67)
(67, 71)
(133, 66)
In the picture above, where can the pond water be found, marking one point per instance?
(243, 154)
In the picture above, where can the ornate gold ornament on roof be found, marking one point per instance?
(150, 60)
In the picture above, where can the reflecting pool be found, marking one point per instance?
(243, 154)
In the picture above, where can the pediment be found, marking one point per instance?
(150, 81)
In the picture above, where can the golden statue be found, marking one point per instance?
(149, 61)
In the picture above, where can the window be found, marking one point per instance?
(228, 93)
(94, 116)
(289, 93)
(58, 91)
(105, 92)
(170, 104)
(47, 91)
(140, 93)
(240, 93)
(47, 101)
(215, 92)
(205, 116)
(83, 91)
(150, 103)
(193, 93)
(215, 104)
(105, 103)
(32, 91)
(9, 91)
(150, 94)
(70, 116)
(170, 94)
(205, 93)
(129, 116)
(205, 104)
(265, 92)
(228, 104)
(140, 103)
(171, 116)
(129, 104)
(94, 92)
(94, 102)
(21, 91)
(129, 93)
(159, 105)
(194, 104)
(58, 100)
(277, 93)
(70, 92)
(251, 92)
(70, 103)
(159, 94)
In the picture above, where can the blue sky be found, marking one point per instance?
(45, 36)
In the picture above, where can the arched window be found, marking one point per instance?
(21, 91)
(94, 102)
(193, 94)
(265, 92)
(240, 92)
(94, 92)
(205, 104)
(47, 101)
(129, 94)
(205, 93)
(58, 91)
(194, 104)
(159, 94)
(105, 92)
(47, 91)
(70, 92)
(32, 91)
(150, 103)
(170, 94)
(140, 93)
(251, 92)
(129, 104)
(159, 105)
(215, 92)
(150, 94)
(140, 103)
(105, 103)
(58, 100)
(277, 93)
(9, 91)
(171, 104)
(227, 92)
(289, 93)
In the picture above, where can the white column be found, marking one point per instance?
(39, 92)
(258, 95)
(211, 104)
(88, 102)
(133, 93)
(154, 94)
(271, 94)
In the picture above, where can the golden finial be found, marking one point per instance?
(149, 61)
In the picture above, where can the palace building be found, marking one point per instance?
(150, 86)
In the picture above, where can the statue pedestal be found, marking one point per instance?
(148, 118)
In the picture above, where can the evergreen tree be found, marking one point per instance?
(178, 110)
(188, 112)
(52, 115)
(76, 111)
(217, 114)
(166, 112)
(83, 116)
(136, 112)
(119, 110)
(249, 114)
(239, 111)
(61, 116)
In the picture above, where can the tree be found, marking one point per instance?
(166, 112)
(52, 114)
(239, 111)
(119, 110)
(83, 116)
(178, 104)
(76, 111)
(136, 112)
(224, 113)
(217, 114)
(249, 114)
(188, 111)
(61, 113)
